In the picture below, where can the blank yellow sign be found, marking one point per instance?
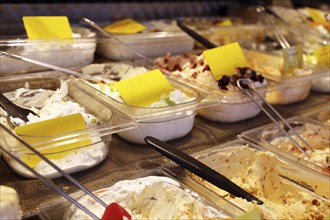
(225, 59)
(126, 26)
(144, 89)
(47, 27)
(38, 132)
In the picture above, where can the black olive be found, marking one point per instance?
(224, 81)
(260, 78)
(254, 76)
(242, 70)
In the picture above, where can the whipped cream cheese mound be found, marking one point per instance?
(49, 104)
(9, 204)
(237, 106)
(195, 68)
(151, 197)
(163, 127)
(318, 137)
(259, 174)
(122, 71)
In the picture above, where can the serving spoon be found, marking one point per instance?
(14, 110)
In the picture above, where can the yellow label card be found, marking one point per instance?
(323, 55)
(126, 26)
(225, 23)
(144, 89)
(47, 27)
(38, 132)
(316, 15)
(225, 59)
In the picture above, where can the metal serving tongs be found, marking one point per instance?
(53, 67)
(277, 32)
(195, 166)
(112, 209)
(294, 29)
(246, 86)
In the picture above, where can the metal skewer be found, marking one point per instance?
(242, 81)
(46, 181)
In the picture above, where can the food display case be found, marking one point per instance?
(218, 124)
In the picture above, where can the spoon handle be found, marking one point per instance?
(5, 102)
(195, 35)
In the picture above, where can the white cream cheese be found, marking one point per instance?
(152, 197)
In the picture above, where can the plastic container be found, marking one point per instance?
(232, 104)
(218, 32)
(322, 84)
(168, 122)
(316, 134)
(289, 92)
(281, 185)
(244, 33)
(291, 88)
(75, 52)
(61, 209)
(321, 114)
(92, 142)
(233, 107)
(149, 44)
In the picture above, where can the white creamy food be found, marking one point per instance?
(318, 137)
(52, 104)
(64, 53)
(166, 127)
(79, 159)
(235, 106)
(151, 197)
(259, 174)
(9, 204)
